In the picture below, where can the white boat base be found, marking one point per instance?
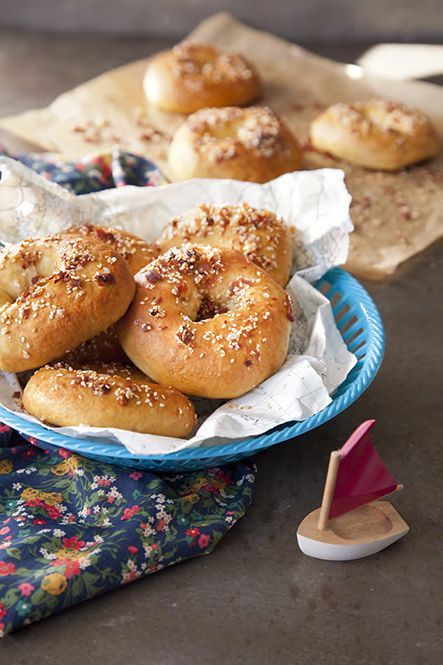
(354, 535)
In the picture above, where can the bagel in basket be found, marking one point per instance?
(206, 321)
(136, 252)
(251, 144)
(107, 396)
(192, 76)
(103, 348)
(376, 134)
(55, 293)
(259, 234)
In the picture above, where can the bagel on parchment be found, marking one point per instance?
(376, 134)
(55, 293)
(208, 322)
(259, 234)
(251, 144)
(192, 76)
(107, 396)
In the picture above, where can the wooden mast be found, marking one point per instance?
(328, 494)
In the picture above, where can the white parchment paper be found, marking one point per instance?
(316, 203)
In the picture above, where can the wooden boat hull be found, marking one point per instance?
(357, 534)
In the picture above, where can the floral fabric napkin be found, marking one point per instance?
(102, 171)
(72, 528)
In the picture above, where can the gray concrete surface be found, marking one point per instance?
(257, 600)
(301, 19)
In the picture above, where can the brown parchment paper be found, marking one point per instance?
(395, 215)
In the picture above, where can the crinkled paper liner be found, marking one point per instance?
(316, 203)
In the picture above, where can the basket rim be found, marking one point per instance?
(355, 293)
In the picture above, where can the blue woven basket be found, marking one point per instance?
(361, 327)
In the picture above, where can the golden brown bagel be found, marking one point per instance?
(103, 348)
(136, 252)
(107, 396)
(208, 322)
(251, 144)
(55, 293)
(259, 234)
(192, 76)
(376, 134)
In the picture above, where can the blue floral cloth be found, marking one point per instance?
(93, 174)
(72, 528)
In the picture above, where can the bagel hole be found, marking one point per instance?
(209, 308)
(226, 131)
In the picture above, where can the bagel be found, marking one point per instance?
(208, 322)
(259, 234)
(192, 76)
(251, 144)
(103, 348)
(55, 293)
(376, 134)
(107, 396)
(136, 252)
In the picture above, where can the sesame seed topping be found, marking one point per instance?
(256, 129)
(199, 65)
(259, 234)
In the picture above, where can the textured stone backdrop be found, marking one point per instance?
(301, 20)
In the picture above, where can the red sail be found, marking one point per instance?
(362, 476)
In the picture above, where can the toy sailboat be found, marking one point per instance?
(351, 524)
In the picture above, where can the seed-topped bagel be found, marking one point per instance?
(107, 396)
(259, 234)
(136, 252)
(243, 144)
(103, 348)
(206, 321)
(56, 292)
(376, 134)
(192, 76)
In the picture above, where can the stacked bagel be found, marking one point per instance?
(122, 332)
(221, 138)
